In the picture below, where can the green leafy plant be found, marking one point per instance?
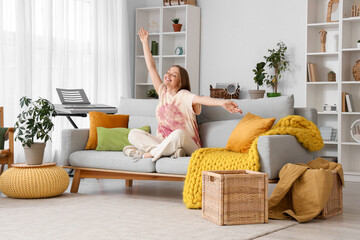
(151, 93)
(358, 41)
(175, 20)
(331, 72)
(277, 61)
(259, 74)
(34, 122)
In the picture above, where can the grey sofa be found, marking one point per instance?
(215, 126)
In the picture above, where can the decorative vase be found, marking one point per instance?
(273, 94)
(177, 27)
(34, 155)
(255, 94)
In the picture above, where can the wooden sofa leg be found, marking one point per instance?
(76, 181)
(128, 182)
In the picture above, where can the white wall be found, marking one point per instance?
(236, 34)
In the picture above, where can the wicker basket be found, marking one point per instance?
(334, 205)
(235, 197)
(356, 71)
(222, 93)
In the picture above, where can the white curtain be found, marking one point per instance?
(49, 44)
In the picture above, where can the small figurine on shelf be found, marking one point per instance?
(323, 40)
(176, 25)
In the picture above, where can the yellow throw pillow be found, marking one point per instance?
(247, 130)
(99, 119)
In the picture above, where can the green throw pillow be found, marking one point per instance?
(2, 137)
(114, 139)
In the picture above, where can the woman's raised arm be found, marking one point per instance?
(150, 62)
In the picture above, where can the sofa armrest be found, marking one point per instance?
(72, 140)
(277, 150)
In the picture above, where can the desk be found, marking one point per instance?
(68, 112)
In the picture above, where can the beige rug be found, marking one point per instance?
(80, 216)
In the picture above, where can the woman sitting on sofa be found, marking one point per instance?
(177, 132)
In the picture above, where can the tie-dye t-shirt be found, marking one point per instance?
(176, 112)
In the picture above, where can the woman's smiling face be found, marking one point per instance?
(172, 78)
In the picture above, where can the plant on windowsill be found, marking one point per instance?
(176, 25)
(34, 124)
(151, 93)
(277, 61)
(259, 80)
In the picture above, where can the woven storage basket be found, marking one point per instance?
(222, 93)
(334, 206)
(356, 70)
(235, 197)
(331, 77)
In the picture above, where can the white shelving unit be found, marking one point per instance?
(158, 22)
(340, 57)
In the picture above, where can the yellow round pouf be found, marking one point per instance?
(29, 181)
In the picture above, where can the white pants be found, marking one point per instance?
(158, 147)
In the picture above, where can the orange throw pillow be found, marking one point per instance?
(99, 119)
(247, 130)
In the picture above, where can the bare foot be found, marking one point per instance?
(148, 155)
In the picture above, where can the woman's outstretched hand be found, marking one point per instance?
(231, 106)
(144, 35)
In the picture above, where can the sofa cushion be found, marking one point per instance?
(100, 119)
(110, 160)
(138, 107)
(277, 107)
(172, 165)
(139, 121)
(216, 134)
(114, 139)
(247, 130)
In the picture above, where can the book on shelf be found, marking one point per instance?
(349, 102)
(343, 102)
(312, 72)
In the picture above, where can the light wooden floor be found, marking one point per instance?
(345, 226)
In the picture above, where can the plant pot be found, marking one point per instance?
(273, 94)
(177, 27)
(358, 45)
(34, 155)
(255, 94)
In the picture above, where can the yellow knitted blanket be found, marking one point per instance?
(206, 159)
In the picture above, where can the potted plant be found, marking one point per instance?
(277, 61)
(331, 76)
(358, 43)
(34, 124)
(259, 80)
(176, 25)
(151, 93)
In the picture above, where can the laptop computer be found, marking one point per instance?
(75, 101)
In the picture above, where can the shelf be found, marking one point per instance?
(175, 33)
(144, 84)
(322, 53)
(330, 143)
(322, 83)
(327, 113)
(350, 82)
(350, 113)
(351, 49)
(173, 56)
(149, 9)
(142, 56)
(351, 143)
(324, 25)
(352, 19)
(150, 34)
(176, 6)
